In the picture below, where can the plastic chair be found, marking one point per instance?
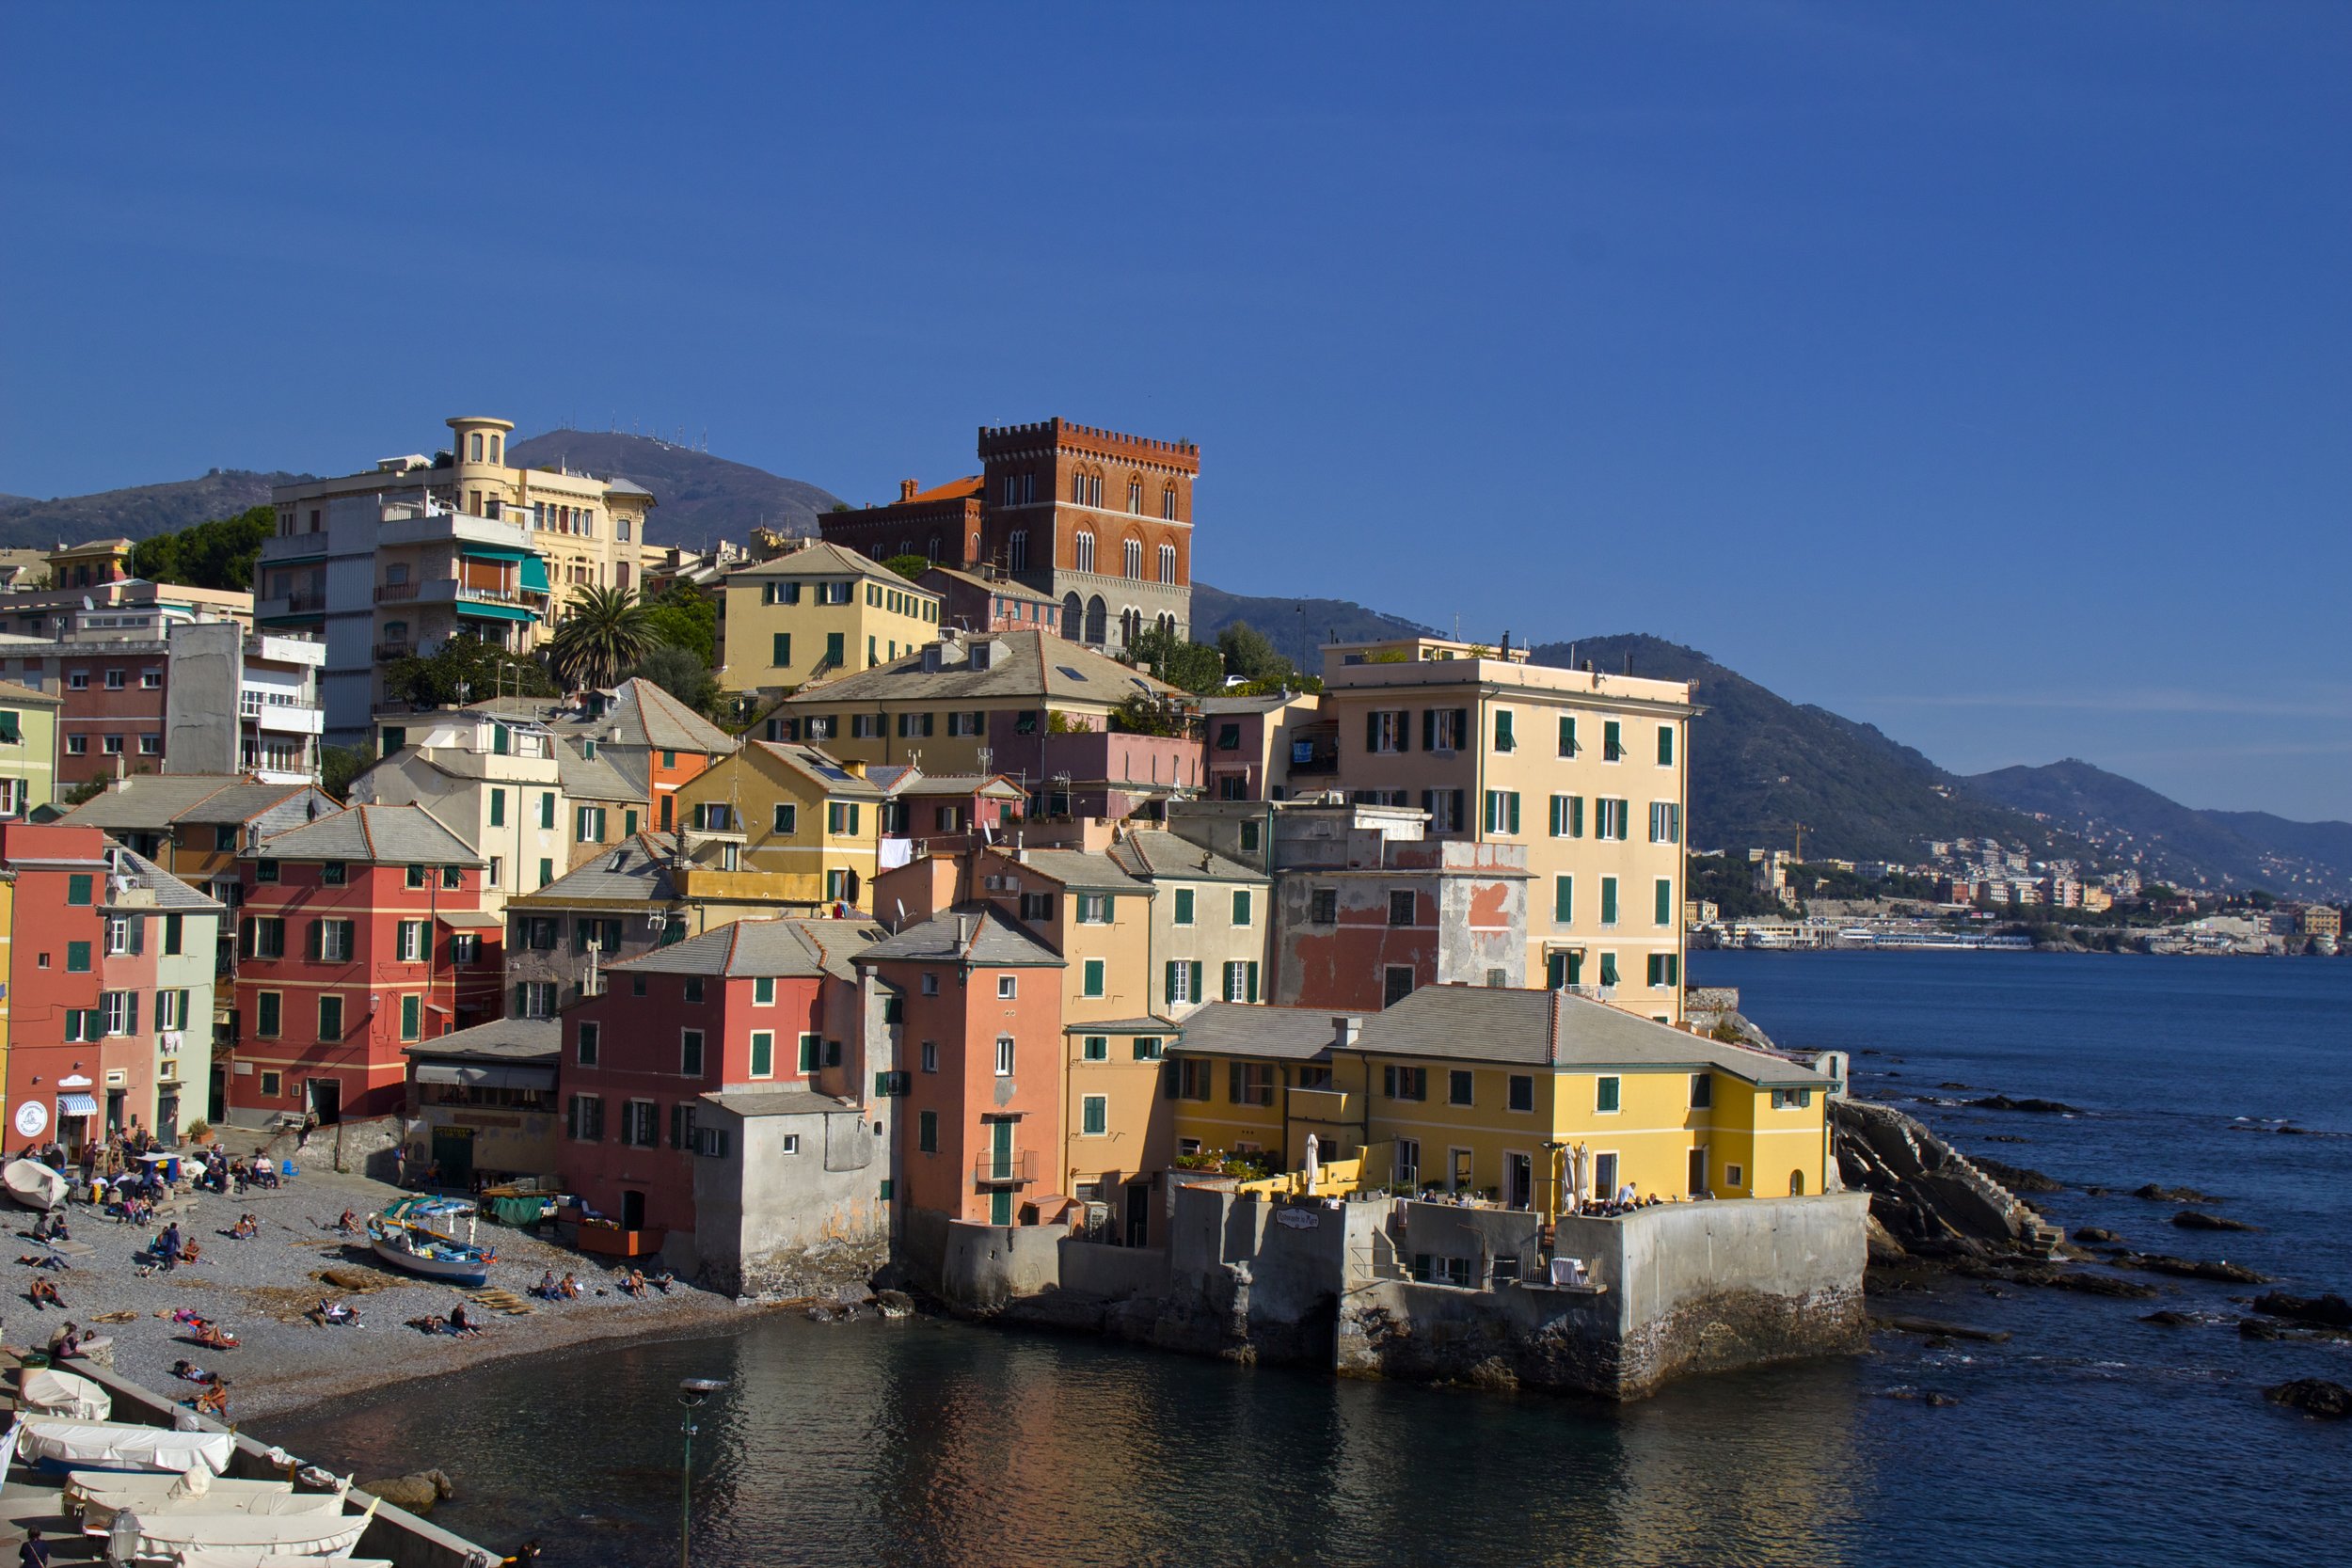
(285, 1170)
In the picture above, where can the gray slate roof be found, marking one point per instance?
(156, 801)
(383, 835)
(990, 941)
(648, 716)
(779, 1102)
(1157, 853)
(817, 559)
(1083, 869)
(508, 1040)
(1002, 587)
(1483, 1023)
(171, 894)
(591, 778)
(827, 772)
(635, 869)
(1028, 664)
(1238, 1029)
(758, 946)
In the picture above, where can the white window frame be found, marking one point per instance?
(1007, 986)
(1003, 1055)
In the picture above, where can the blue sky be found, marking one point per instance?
(1975, 370)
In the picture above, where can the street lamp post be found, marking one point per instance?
(692, 1392)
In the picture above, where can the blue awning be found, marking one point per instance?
(76, 1105)
(495, 552)
(535, 574)
(494, 611)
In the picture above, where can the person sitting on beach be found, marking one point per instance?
(348, 1224)
(189, 1371)
(633, 1282)
(213, 1401)
(660, 1281)
(245, 1230)
(44, 1293)
(546, 1289)
(66, 1342)
(337, 1314)
(212, 1337)
(460, 1324)
(570, 1288)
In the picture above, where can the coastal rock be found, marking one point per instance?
(415, 1493)
(2260, 1328)
(2329, 1311)
(2194, 1219)
(2314, 1396)
(2038, 1107)
(1927, 1196)
(2174, 1194)
(2093, 1235)
(894, 1304)
(2080, 1280)
(1882, 1245)
(2017, 1179)
(2194, 1268)
(2169, 1318)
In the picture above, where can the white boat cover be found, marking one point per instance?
(49, 1392)
(101, 1493)
(115, 1445)
(33, 1184)
(287, 1536)
(245, 1557)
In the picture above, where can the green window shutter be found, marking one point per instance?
(1563, 899)
(1512, 800)
(1609, 900)
(1372, 731)
(411, 1017)
(1503, 731)
(77, 888)
(547, 810)
(1429, 729)
(1094, 976)
(1665, 745)
(547, 872)
(77, 957)
(265, 1015)
(499, 742)
(1183, 906)
(763, 1053)
(1674, 969)
(1665, 902)
(1461, 729)
(1576, 968)
(498, 808)
(1252, 990)
(779, 651)
(1605, 1098)
(1240, 907)
(1199, 975)
(832, 648)
(1608, 969)
(1097, 1114)
(629, 824)
(1167, 991)
(1576, 816)
(1568, 736)
(809, 1049)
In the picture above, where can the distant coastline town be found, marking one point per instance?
(1978, 895)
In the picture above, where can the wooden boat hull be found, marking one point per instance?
(451, 1270)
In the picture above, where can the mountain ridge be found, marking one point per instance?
(137, 511)
(698, 499)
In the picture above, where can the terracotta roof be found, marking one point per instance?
(954, 489)
(16, 692)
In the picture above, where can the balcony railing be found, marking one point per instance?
(1015, 1168)
(392, 591)
(498, 596)
(250, 704)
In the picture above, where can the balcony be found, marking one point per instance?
(1323, 1105)
(309, 601)
(1013, 1168)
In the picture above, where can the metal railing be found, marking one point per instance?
(385, 591)
(1015, 1168)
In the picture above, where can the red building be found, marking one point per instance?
(985, 600)
(87, 1007)
(981, 1127)
(744, 1006)
(361, 932)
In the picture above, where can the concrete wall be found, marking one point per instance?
(773, 1224)
(200, 718)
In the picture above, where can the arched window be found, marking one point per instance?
(1131, 562)
(1098, 616)
(1134, 494)
(497, 447)
(1796, 1183)
(1073, 618)
(906, 546)
(1166, 623)
(1167, 503)
(1130, 626)
(1017, 550)
(1082, 551)
(931, 550)
(1167, 563)
(473, 448)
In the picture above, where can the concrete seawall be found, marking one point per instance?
(1427, 1291)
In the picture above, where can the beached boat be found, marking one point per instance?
(62, 1447)
(420, 1234)
(33, 1184)
(247, 1557)
(47, 1391)
(284, 1537)
(98, 1496)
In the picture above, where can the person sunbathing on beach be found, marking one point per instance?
(633, 1282)
(570, 1287)
(44, 1293)
(212, 1337)
(189, 1372)
(337, 1313)
(213, 1401)
(245, 1230)
(348, 1224)
(662, 1280)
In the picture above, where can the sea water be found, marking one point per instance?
(2090, 1437)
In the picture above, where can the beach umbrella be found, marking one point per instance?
(1584, 1177)
(1312, 1148)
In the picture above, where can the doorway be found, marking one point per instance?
(326, 1099)
(1519, 1179)
(1139, 1215)
(216, 1097)
(452, 1151)
(1796, 1183)
(1457, 1176)
(114, 1099)
(632, 1208)
(167, 1118)
(1698, 1171)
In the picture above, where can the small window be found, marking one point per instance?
(1401, 907)
(1096, 1048)
(931, 1055)
(1183, 906)
(1240, 907)
(693, 987)
(1323, 907)
(1702, 1091)
(1008, 986)
(788, 818)
(1459, 1087)
(926, 1132)
(591, 1033)
(1147, 1048)
(1094, 980)
(1003, 1055)
(1095, 1116)
(1605, 1096)
(1249, 838)
(764, 991)
(333, 874)
(689, 1052)
(763, 1053)
(1522, 1092)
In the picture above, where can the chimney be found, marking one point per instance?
(1346, 1031)
(906, 489)
(963, 932)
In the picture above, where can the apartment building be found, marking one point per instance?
(792, 816)
(1480, 1090)
(396, 560)
(110, 978)
(1586, 771)
(496, 781)
(28, 749)
(984, 600)
(818, 611)
(194, 825)
(1097, 520)
(95, 577)
(362, 932)
(1255, 743)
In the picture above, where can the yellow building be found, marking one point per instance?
(1588, 770)
(778, 810)
(1486, 1090)
(8, 962)
(28, 749)
(819, 612)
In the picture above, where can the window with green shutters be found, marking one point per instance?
(834, 646)
(812, 1053)
(1563, 968)
(502, 741)
(1609, 900)
(1183, 980)
(1606, 1093)
(175, 932)
(413, 1017)
(1568, 817)
(78, 889)
(1664, 913)
(1502, 811)
(265, 1014)
(547, 809)
(1094, 971)
(1665, 745)
(1612, 741)
(763, 1053)
(926, 1132)
(1183, 906)
(1665, 969)
(1567, 735)
(764, 991)
(1608, 969)
(1503, 739)
(547, 872)
(77, 957)
(395, 737)
(330, 1018)
(1241, 906)
(1095, 1113)
(629, 824)
(1097, 1048)
(498, 808)
(1562, 900)
(780, 649)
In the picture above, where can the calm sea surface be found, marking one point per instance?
(2088, 1438)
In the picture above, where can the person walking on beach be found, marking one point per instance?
(35, 1552)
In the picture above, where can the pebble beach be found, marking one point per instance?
(263, 1290)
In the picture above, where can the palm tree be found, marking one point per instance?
(605, 635)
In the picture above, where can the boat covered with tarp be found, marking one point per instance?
(61, 1446)
(47, 1391)
(421, 1235)
(33, 1184)
(286, 1537)
(101, 1495)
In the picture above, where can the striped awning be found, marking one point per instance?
(76, 1105)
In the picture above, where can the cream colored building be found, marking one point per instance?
(818, 611)
(395, 560)
(1588, 770)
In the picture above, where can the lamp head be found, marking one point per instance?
(693, 1391)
